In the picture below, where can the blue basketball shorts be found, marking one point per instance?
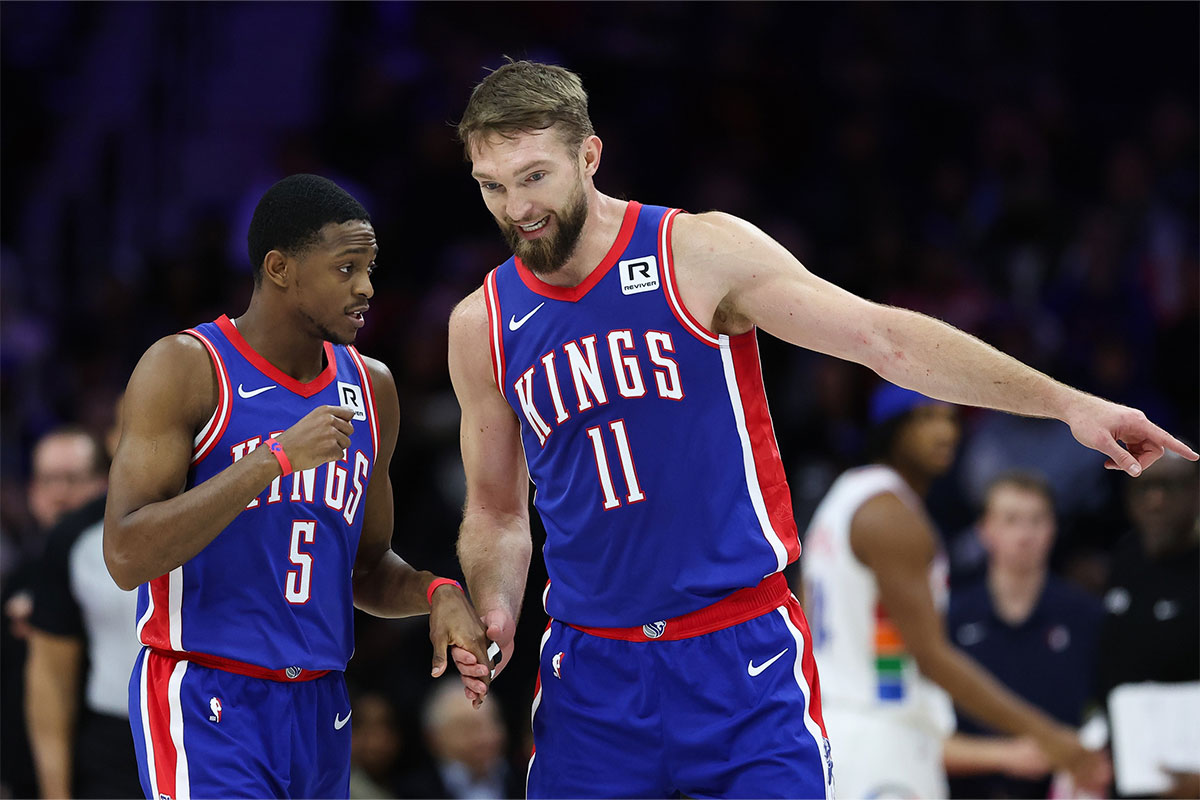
(208, 733)
(724, 702)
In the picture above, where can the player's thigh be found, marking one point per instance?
(596, 725)
(321, 738)
(883, 759)
(201, 732)
(742, 709)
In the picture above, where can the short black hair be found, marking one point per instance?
(289, 217)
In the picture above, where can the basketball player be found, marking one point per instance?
(875, 585)
(251, 505)
(614, 361)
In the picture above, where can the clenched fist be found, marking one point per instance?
(320, 437)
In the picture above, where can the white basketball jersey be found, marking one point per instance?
(865, 668)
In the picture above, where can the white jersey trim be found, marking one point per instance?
(212, 430)
(810, 724)
(183, 788)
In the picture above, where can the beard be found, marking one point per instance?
(547, 254)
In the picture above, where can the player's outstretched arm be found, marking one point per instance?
(384, 584)
(151, 525)
(897, 544)
(739, 276)
(494, 543)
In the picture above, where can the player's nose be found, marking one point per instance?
(518, 208)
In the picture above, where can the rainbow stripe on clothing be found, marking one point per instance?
(890, 657)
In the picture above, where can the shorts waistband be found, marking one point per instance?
(288, 675)
(742, 605)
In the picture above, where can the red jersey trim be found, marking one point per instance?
(214, 429)
(162, 726)
(273, 372)
(768, 466)
(670, 289)
(369, 391)
(289, 675)
(742, 605)
(572, 294)
(495, 335)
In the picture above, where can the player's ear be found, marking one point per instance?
(589, 153)
(275, 269)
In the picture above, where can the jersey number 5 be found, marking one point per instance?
(635, 494)
(299, 582)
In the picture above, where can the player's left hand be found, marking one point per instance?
(454, 623)
(1104, 426)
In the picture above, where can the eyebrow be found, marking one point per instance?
(540, 162)
(355, 251)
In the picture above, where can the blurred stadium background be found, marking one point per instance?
(1027, 172)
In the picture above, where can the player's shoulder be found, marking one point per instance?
(180, 363)
(470, 316)
(710, 229)
(378, 371)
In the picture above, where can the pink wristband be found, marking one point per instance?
(439, 582)
(277, 449)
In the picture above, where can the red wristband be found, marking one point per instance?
(277, 449)
(439, 582)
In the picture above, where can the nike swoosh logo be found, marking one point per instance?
(242, 393)
(514, 323)
(339, 723)
(753, 670)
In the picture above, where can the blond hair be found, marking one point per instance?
(525, 96)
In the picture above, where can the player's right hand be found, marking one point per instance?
(1091, 769)
(323, 435)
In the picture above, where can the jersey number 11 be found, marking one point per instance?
(635, 494)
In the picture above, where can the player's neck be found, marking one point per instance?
(605, 215)
(286, 345)
(918, 480)
(1015, 593)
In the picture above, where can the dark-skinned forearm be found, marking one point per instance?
(160, 536)
(392, 588)
(981, 695)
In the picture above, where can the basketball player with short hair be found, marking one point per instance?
(250, 503)
(875, 586)
(614, 361)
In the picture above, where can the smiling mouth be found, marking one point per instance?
(535, 226)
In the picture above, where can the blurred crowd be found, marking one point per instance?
(1026, 172)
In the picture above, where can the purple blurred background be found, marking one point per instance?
(1027, 172)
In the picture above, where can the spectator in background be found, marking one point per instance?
(468, 746)
(1034, 632)
(79, 724)
(68, 469)
(1152, 628)
(375, 747)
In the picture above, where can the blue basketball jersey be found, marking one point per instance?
(647, 436)
(273, 589)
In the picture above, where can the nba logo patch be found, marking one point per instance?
(350, 396)
(638, 275)
(556, 662)
(214, 705)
